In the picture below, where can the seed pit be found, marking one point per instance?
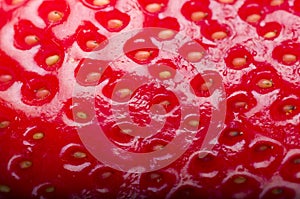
(93, 77)
(239, 62)
(165, 75)
(289, 58)
(50, 189)
(42, 93)
(288, 109)
(254, 18)
(276, 2)
(92, 44)
(81, 115)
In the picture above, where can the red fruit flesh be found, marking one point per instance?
(152, 66)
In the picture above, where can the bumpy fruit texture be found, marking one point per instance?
(254, 50)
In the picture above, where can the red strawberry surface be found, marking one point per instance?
(91, 89)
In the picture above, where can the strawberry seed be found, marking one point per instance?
(25, 164)
(253, 18)
(219, 35)
(31, 40)
(4, 124)
(194, 56)
(153, 7)
(4, 189)
(166, 34)
(289, 58)
(101, 2)
(142, 55)
(114, 24)
(5, 78)
(92, 44)
(55, 16)
(239, 62)
(265, 83)
(79, 155)
(198, 16)
(38, 136)
(51, 60)
(239, 180)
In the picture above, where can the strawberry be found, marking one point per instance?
(149, 99)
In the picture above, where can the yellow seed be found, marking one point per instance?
(25, 164)
(226, 1)
(166, 34)
(142, 55)
(288, 109)
(126, 131)
(38, 136)
(124, 92)
(42, 93)
(93, 77)
(219, 35)
(165, 74)
(198, 16)
(239, 62)
(276, 2)
(81, 115)
(194, 123)
(14, 2)
(194, 56)
(49, 189)
(79, 154)
(277, 191)
(106, 175)
(289, 58)
(241, 105)
(4, 124)
(203, 155)
(5, 78)
(101, 2)
(31, 40)
(92, 44)
(207, 85)
(114, 24)
(153, 7)
(155, 176)
(239, 180)
(4, 189)
(51, 60)
(265, 83)
(235, 133)
(158, 147)
(165, 103)
(253, 18)
(55, 16)
(270, 35)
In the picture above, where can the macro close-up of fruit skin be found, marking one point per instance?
(220, 79)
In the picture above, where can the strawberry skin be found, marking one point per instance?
(250, 47)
